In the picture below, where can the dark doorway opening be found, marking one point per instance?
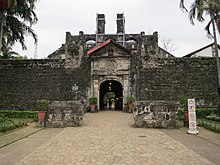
(111, 95)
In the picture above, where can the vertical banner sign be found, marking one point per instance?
(192, 116)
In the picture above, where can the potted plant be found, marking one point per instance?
(42, 107)
(93, 103)
(184, 105)
(130, 102)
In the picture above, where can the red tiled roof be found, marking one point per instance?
(98, 46)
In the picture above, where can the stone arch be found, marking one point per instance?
(89, 37)
(112, 86)
(131, 44)
(90, 44)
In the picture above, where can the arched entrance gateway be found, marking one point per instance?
(111, 95)
(110, 72)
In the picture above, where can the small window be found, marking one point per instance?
(110, 52)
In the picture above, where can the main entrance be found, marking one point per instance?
(111, 95)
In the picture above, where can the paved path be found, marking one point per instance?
(108, 138)
(18, 134)
(12, 153)
(206, 143)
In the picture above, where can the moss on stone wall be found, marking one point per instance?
(22, 82)
(172, 78)
(25, 81)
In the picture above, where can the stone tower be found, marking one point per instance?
(121, 29)
(100, 28)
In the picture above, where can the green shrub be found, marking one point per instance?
(180, 114)
(42, 105)
(210, 127)
(200, 112)
(183, 103)
(11, 126)
(92, 100)
(130, 99)
(213, 117)
(18, 114)
(203, 112)
(12, 119)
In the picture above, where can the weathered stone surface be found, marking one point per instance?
(108, 139)
(172, 78)
(157, 114)
(65, 114)
(23, 82)
(145, 73)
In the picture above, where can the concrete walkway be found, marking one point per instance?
(108, 138)
(18, 134)
(23, 141)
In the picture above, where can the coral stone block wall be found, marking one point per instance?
(65, 114)
(156, 114)
(22, 82)
(172, 78)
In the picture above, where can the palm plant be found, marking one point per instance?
(201, 7)
(198, 9)
(7, 53)
(17, 18)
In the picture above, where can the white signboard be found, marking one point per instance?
(192, 117)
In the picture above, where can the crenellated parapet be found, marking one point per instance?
(142, 45)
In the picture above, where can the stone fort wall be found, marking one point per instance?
(22, 82)
(173, 78)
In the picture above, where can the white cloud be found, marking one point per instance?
(57, 17)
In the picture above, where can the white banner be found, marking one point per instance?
(192, 117)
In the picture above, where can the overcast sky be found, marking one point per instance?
(56, 17)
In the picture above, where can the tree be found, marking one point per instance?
(17, 18)
(167, 45)
(198, 9)
(9, 54)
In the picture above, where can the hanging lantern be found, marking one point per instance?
(4, 5)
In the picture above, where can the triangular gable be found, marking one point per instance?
(104, 44)
(201, 49)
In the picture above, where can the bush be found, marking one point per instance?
(11, 127)
(92, 100)
(12, 119)
(213, 117)
(200, 112)
(183, 103)
(210, 127)
(42, 105)
(18, 114)
(130, 99)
